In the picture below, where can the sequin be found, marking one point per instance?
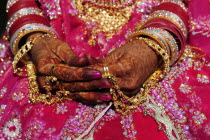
(61, 108)
(185, 88)
(203, 78)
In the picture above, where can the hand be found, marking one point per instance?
(132, 64)
(50, 52)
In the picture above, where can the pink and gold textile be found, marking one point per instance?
(180, 101)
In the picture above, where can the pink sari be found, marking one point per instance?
(177, 107)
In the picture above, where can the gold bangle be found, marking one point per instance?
(151, 34)
(24, 49)
(34, 94)
(33, 85)
(160, 51)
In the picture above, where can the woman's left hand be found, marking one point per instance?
(132, 64)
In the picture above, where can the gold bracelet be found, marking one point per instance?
(34, 94)
(24, 49)
(125, 104)
(33, 85)
(160, 51)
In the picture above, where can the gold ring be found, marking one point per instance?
(106, 74)
(52, 70)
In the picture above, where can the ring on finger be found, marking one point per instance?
(53, 70)
(106, 73)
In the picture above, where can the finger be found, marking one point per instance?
(85, 86)
(79, 61)
(121, 67)
(94, 97)
(67, 73)
(91, 59)
(41, 81)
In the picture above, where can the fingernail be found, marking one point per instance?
(90, 74)
(96, 75)
(106, 98)
(105, 84)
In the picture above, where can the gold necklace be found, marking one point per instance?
(116, 4)
(108, 20)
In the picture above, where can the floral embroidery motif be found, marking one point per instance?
(34, 128)
(17, 96)
(12, 128)
(61, 108)
(2, 92)
(164, 95)
(127, 125)
(200, 26)
(203, 78)
(198, 117)
(27, 110)
(185, 88)
(53, 8)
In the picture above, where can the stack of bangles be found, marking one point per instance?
(25, 17)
